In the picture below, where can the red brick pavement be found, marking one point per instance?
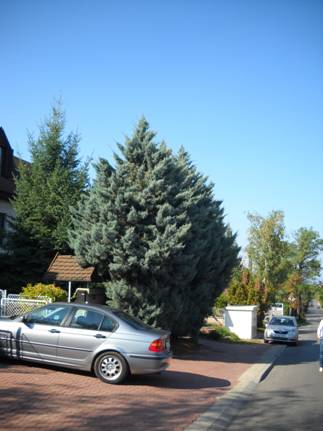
(40, 398)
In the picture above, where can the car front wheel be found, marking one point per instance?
(111, 367)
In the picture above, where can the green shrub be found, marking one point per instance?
(220, 303)
(50, 290)
(217, 332)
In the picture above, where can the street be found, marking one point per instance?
(291, 396)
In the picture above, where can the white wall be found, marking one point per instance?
(241, 320)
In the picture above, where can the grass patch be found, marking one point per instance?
(220, 333)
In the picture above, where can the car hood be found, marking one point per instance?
(7, 324)
(281, 328)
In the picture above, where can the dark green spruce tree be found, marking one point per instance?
(211, 243)
(151, 227)
(46, 188)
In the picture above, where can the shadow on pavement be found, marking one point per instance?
(303, 331)
(67, 406)
(168, 379)
(42, 369)
(210, 350)
(306, 352)
(179, 380)
(5, 362)
(270, 413)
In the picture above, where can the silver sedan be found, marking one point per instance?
(86, 337)
(282, 328)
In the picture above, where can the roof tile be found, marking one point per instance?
(66, 268)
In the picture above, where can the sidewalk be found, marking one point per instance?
(54, 399)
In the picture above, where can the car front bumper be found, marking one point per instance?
(280, 338)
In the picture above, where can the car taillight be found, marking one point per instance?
(157, 345)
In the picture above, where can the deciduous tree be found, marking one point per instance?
(268, 249)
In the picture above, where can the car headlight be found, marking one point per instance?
(269, 332)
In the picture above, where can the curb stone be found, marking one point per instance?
(219, 416)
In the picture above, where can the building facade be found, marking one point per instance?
(8, 165)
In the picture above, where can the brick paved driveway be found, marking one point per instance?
(41, 398)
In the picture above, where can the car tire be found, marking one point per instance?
(111, 367)
(266, 341)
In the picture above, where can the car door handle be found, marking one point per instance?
(100, 336)
(54, 331)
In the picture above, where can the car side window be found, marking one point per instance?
(86, 319)
(50, 315)
(108, 324)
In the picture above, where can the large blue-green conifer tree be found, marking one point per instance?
(156, 235)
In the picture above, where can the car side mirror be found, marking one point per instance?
(24, 319)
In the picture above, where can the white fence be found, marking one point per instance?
(17, 296)
(13, 305)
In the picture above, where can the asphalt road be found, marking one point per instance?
(291, 396)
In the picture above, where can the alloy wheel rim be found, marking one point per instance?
(110, 368)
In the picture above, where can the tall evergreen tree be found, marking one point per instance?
(210, 251)
(45, 190)
(155, 234)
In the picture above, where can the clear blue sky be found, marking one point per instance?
(238, 83)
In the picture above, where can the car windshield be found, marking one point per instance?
(283, 321)
(131, 321)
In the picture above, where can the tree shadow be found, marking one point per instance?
(212, 350)
(168, 379)
(303, 331)
(144, 402)
(179, 380)
(306, 352)
(270, 410)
